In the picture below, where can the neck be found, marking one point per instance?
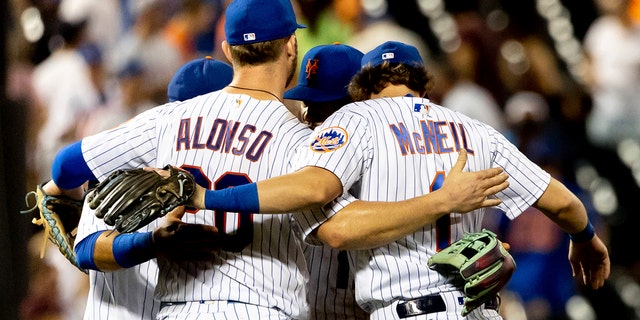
(260, 82)
(254, 92)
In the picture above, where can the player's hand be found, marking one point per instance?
(591, 261)
(468, 191)
(181, 241)
(196, 200)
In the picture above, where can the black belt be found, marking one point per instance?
(432, 304)
(177, 303)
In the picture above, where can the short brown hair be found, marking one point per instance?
(259, 52)
(372, 80)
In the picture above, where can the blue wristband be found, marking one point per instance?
(243, 198)
(84, 251)
(130, 249)
(585, 235)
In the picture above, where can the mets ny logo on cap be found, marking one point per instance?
(330, 139)
(249, 36)
(311, 68)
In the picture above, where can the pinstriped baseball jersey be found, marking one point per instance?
(122, 294)
(394, 149)
(225, 140)
(331, 289)
(331, 285)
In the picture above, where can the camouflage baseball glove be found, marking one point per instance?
(131, 199)
(59, 216)
(481, 262)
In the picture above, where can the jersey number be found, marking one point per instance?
(443, 237)
(343, 270)
(244, 225)
(443, 224)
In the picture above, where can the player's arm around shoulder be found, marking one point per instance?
(307, 188)
(379, 223)
(588, 255)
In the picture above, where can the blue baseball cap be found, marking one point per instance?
(392, 51)
(251, 21)
(326, 73)
(198, 77)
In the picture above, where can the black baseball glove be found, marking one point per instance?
(131, 199)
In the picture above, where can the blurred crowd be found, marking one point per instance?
(560, 78)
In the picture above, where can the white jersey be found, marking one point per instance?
(331, 288)
(394, 149)
(121, 294)
(225, 140)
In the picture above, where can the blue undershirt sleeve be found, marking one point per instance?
(69, 170)
(242, 198)
(130, 249)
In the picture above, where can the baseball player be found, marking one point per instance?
(231, 137)
(128, 293)
(325, 72)
(225, 138)
(394, 146)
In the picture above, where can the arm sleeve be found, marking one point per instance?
(69, 169)
(527, 181)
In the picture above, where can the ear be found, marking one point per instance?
(292, 46)
(226, 50)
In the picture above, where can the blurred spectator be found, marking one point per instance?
(65, 94)
(528, 64)
(193, 18)
(39, 25)
(92, 54)
(469, 72)
(145, 42)
(612, 44)
(126, 100)
(208, 40)
(540, 282)
(532, 129)
(375, 24)
(453, 90)
(104, 20)
(327, 21)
